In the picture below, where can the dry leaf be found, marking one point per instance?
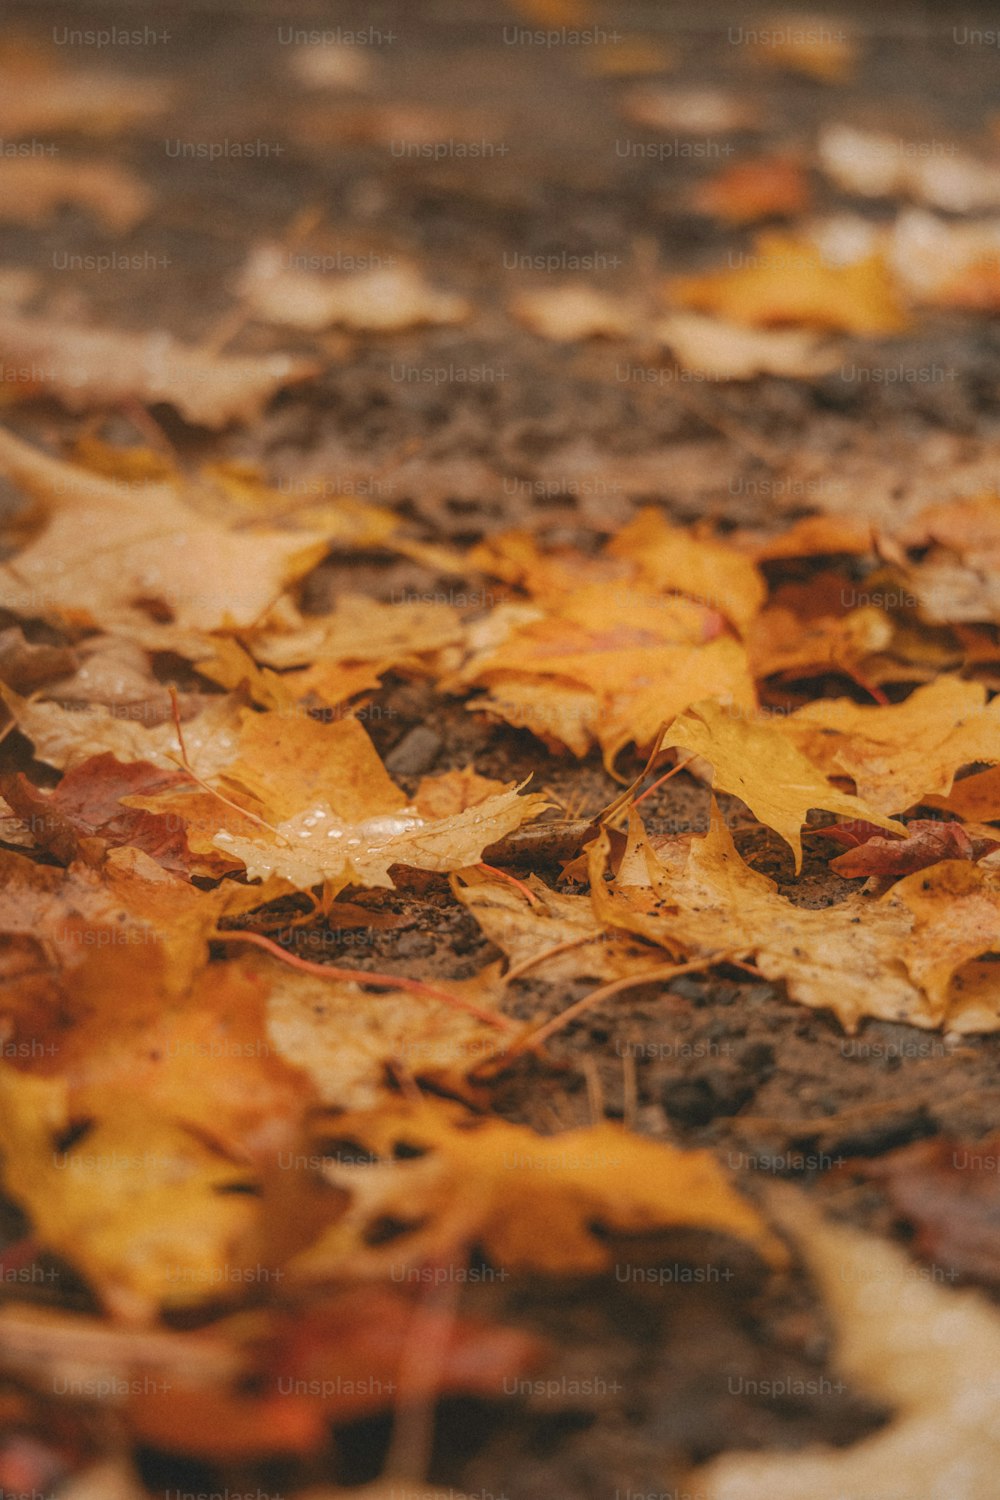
(782, 642)
(927, 842)
(727, 351)
(900, 753)
(98, 104)
(87, 368)
(975, 798)
(756, 762)
(875, 165)
(763, 188)
(383, 300)
(84, 815)
(65, 738)
(557, 936)
(931, 1354)
(346, 1040)
(941, 263)
(110, 551)
(145, 1210)
(946, 1191)
(568, 314)
(332, 66)
(788, 280)
(860, 957)
(480, 1181)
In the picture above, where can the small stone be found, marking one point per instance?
(416, 752)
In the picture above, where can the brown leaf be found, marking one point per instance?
(88, 368)
(84, 813)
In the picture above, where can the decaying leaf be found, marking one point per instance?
(88, 368)
(930, 1353)
(456, 1180)
(927, 842)
(948, 1192)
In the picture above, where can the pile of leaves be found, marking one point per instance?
(249, 1167)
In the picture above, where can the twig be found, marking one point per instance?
(363, 976)
(187, 767)
(504, 875)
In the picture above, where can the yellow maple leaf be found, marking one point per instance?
(756, 762)
(896, 754)
(532, 1202)
(144, 1209)
(787, 280)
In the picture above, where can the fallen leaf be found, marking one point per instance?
(754, 761)
(787, 280)
(65, 738)
(860, 957)
(382, 300)
(87, 368)
(25, 665)
(727, 351)
(764, 187)
(144, 1210)
(930, 1354)
(558, 936)
(332, 66)
(131, 904)
(480, 1181)
(568, 314)
(941, 263)
(927, 843)
(37, 102)
(899, 753)
(804, 43)
(975, 798)
(84, 815)
(877, 165)
(107, 551)
(781, 642)
(408, 634)
(348, 1041)
(947, 1191)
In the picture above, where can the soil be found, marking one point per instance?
(568, 442)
